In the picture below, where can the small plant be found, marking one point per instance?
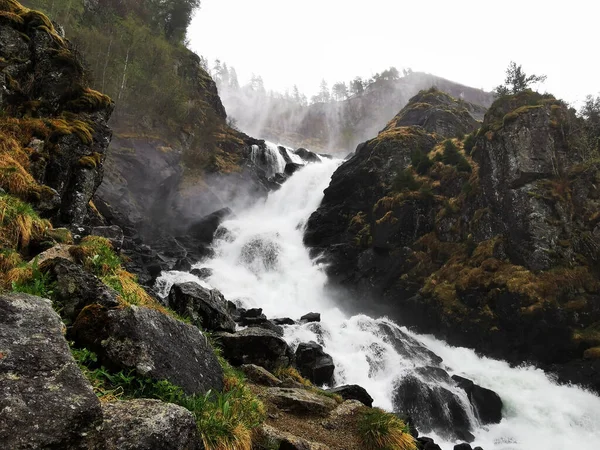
(33, 281)
(421, 162)
(380, 430)
(405, 181)
(453, 157)
(469, 143)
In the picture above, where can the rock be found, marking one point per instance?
(205, 308)
(113, 233)
(183, 265)
(252, 313)
(202, 273)
(353, 392)
(311, 317)
(486, 403)
(204, 229)
(463, 446)
(255, 346)
(57, 251)
(299, 401)
(340, 416)
(260, 375)
(314, 364)
(307, 155)
(284, 321)
(431, 446)
(274, 438)
(291, 168)
(268, 325)
(45, 401)
(432, 406)
(152, 343)
(75, 289)
(148, 425)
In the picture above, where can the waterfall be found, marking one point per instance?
(260, 261)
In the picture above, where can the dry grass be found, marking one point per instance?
(19, 224)
(380, 430)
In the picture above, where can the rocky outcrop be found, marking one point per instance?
(353, 392)
(45, 401)
(255, 346)
(153, 344)
(148, 425)
(489, 242)
(300, 401)
(65, 137)
(260, 375)
(207, 309)
(486, 403)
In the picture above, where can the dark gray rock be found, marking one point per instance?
(152, 343)
(486, 403)
(291, 168)
(148, 425)
(205, 308)
(202, 273)
(113, 233)
(311, 317)
(353, 392)
(204, 229)
(255, 346)
(284, 321)
(260, 375)
(313, 363)
(45, 401)
(307, 155)
(268, 325)
(75, 289)
(300, 401)
(463, 446)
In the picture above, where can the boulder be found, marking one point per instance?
(291, 168)
(299, 401)
(311, 317)
(154, 344)
(143, 424)
(284, 321)
(273, 438)
(113, 233)
(432, 406)
(313, 363)
(205, 308)
(204, 229)
(260, 375)
(463, 446)
(486, 403)
(307, 155)
(255, 346)
(268, 325)
(75, 289)
(203, 273)
(45, 401)
(353, 392)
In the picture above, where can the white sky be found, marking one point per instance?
(300, 42)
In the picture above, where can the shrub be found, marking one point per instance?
(421, 162)
(405, 181)
(380, 430)
(453, 157)
(469, 143)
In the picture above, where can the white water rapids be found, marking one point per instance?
(261, 261)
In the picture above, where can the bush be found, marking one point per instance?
(453, 157)
(405, 181)
(380, 430)
(421, 162)
(469, 143)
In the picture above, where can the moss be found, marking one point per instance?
(60, 235)
(19, 223)
(89, 101)
(592, 353)
(91, 161)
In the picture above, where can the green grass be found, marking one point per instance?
(225, 419)
(380, 430)
(39, 283)
(453, 157)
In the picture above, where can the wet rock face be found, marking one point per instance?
(41, 73)
(148, 425)
(486, 403)
(43, 394)
(153, 344)
(205, 308)
(313, 363)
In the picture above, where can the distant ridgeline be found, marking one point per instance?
(336, 120)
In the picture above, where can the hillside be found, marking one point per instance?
(490, 241)
(338, 126)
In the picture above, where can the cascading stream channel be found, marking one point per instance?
(261, 262)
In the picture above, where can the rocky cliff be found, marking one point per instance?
(490, 241)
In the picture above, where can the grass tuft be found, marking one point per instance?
(380, 430)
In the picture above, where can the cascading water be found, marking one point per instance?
(261, 262)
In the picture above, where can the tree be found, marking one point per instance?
(324, 96)
(390, 74)
(590, 112)
(517, 80)
(340, 91)
(233, 79)
(357, 86)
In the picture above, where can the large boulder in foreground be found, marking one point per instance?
(255, 346)
(206, 308)
(152, 343)
(313, 363)
(148, 425)
(45, 401)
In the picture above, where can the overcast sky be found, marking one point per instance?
(291, 42)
